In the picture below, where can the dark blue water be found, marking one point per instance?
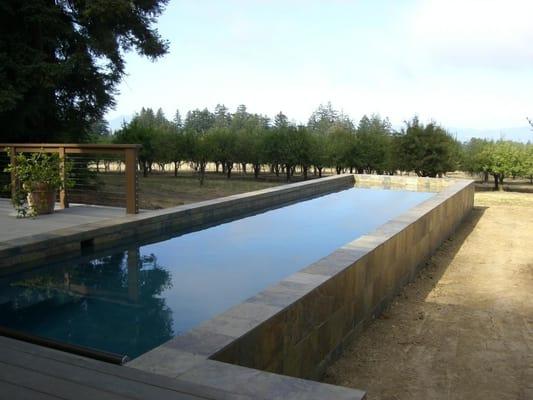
(137, 297)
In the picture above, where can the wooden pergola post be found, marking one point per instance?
(132, 206)
(13, 162)
(63, 200)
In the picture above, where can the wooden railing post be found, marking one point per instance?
(13, 162)
(132, 206)
(63, 200)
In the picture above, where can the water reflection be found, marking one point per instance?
(112, 303)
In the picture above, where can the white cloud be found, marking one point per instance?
(475, 33)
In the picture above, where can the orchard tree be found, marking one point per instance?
(341, 147)
(528, 162)
(152, 130)
(373, 142)
(137, 132)
(504, 159)
(319, 152)
(475, 159)
(428, 150)
(304, 149)
(250, 132)
(223, 142)
(323, 118)
(61, 61)
(198, 145)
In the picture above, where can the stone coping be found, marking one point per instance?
(29, 251)
(195, 355)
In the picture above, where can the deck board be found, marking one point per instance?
(11, 391)
(29, 371)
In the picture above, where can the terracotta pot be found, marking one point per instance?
(42, 198)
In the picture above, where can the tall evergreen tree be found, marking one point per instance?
(61, 60)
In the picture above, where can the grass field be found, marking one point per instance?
(161, 191)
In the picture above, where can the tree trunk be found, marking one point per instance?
(257, 169)
(229, 167)
(485, 177)
(288, 169)
(276, 169)
(304, 170)
(320, 172)
(243, 168)
(339, 169)
(496, 182)
(202, 173)
(176, 167)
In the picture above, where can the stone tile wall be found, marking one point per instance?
(325, 304)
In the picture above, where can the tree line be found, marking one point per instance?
(330, 139)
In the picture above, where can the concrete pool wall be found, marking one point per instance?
(299, 325)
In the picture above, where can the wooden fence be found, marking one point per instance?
(129, 152)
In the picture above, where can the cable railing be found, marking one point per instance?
(100, 174)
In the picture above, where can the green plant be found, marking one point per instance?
(35, 170)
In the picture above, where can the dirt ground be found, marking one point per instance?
(464, 328)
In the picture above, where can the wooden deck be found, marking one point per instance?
(28, 371)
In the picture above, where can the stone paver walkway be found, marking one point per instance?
(77, 214)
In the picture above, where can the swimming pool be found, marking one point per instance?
(139, 296)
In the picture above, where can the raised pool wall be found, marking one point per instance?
(299, 325)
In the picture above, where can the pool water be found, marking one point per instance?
(137, 297)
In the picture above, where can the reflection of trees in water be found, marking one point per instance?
(112, 303)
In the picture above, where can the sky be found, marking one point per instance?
(467, 65)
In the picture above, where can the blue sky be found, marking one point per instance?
(466, 64)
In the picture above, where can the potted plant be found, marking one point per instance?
(38, 177)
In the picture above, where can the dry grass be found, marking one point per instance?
(161, 191)
(462, 329)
